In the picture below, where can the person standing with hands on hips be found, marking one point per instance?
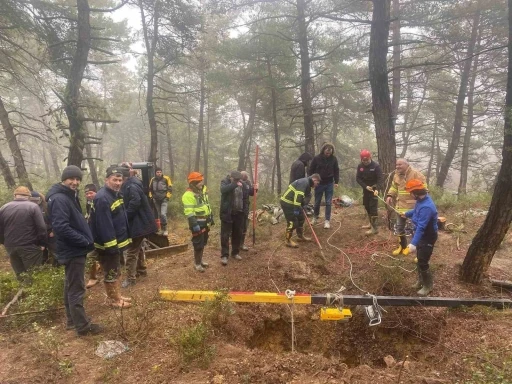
(326, 165)
(424, 217)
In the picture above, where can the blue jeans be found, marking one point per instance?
(319, 191)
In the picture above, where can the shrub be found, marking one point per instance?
(46, 291)
(193, 344)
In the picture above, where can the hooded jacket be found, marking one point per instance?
(141, 221)
(326, 167)
(298, 169)
(73, 235)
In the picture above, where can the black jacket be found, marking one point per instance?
(326, 167)
(109, 224)
(73, 235)
(141, 221)
(369, 175)
(248, 190)
(298, 169)
(227, 189)
(22, 224)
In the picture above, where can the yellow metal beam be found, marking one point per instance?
(237, 297)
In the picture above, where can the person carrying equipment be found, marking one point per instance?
(293, 201)
(369, 177)
(403, 173)
(198, 211)
(424, 217)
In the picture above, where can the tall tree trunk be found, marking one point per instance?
(206, 141)
(464, 162)
(432, 150)
(150, 50)
(200, 127)
(396, 59)
(17, 156)
(6, 172)
(382, 113)
(276, 128)
(170, 153)
(243, 148)
(189, 146)
(45, 162)
(92, 166)
(496, 224)
(305, 77)
(459, 108)
(71, 98)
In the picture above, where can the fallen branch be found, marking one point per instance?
(14, 299)
(32, 312)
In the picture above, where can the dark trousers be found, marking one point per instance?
(24, 258)
(74, 292)
(111, 265)
(233, 229)
(292, 221)
(200, 241)
(424, 252)
(371, 203)
(245, 228)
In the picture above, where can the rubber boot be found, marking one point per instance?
(116, 301)
(289, 242)
(300, 235)
(419, 283)
(164, 230)
(367, 226)
(403, 241)
(428, 283)
(398, 250)
(374, 229)
(198, 257)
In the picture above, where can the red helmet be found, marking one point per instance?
(365, 154)
(414, 185)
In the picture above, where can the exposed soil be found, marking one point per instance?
(254, 344)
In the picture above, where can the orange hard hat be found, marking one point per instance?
(195, 177)
(365, 154)
(414, 185)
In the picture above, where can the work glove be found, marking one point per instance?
(196, 228)
(296, 212)
(412, 248)
(368, 188)
(375, 193)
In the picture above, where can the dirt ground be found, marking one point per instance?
(252, 343)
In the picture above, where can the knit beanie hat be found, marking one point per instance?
(89, 188)
(70, 172)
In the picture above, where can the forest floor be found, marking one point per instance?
(251, 343)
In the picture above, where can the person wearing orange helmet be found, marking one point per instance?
(398, 197)
(424, 217)
(198, 211)
(369, 177)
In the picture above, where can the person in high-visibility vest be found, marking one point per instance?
(198, 211)
(397, 193)
(293, 201)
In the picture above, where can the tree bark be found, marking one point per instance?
(206, 141)
(396, 59)
(92, 165)
(71, 96)
(150, 51)
(432, 150)
(276, 128)
(496, 224)
(170, 153)
(17, 156)
(459, 108)
(382, 113)
(464, 162)
(243, 148)
(200, 127)
(305, 76)
(6, 172)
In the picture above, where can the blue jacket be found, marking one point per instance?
(424, 217)
(141, 221)
(73, 235)
(109, 224)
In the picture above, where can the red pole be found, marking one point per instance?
(255, 196)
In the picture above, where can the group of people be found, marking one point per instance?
(407, 196)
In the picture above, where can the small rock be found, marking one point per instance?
(390, 361)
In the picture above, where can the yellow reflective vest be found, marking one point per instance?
(196, 207)
(404, 202)
(297, 193)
